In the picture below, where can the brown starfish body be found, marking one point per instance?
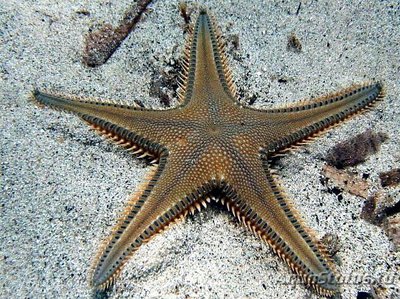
(210, 143)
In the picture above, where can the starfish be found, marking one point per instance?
(213, 147)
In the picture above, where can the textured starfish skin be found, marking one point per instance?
(213, 145)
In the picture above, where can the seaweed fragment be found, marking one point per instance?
(293, 43)
(185, 13)
(355, 150)
(332, 243)
(102, 43)
(164, 85)
(381, 210)
(347, 181)
(379, 206)
(390, 178)
(392, 228)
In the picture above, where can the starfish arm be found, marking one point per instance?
(136, 128)
(300, 121)
(164, 198)
(264, 208)
(205, 66)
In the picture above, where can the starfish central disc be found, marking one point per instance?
(214, 130)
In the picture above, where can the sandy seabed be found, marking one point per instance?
(62, 187)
